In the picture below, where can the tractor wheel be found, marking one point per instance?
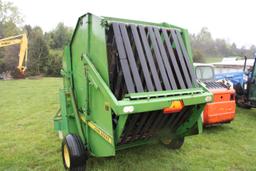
(245, 106)
(241, 104)
(74, 153)
(174, 143)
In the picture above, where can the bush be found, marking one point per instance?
(198, 57)
(54, 63)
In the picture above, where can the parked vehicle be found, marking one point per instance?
(223, 107)
(246, 92)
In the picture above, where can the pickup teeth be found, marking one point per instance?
(143, 126)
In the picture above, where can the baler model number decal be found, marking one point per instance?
(100, 132)
(97, 130)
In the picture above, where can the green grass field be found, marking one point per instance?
(28, 140)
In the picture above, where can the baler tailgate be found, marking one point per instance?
(149, 58)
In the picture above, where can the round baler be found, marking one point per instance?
(126, 83)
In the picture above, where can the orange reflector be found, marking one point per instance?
(176, 106)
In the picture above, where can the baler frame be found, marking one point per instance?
(79, 120)
(141, 104)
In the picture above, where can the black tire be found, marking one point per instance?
(74, 153)
(240, 102)
(174, 143)
(245, 106)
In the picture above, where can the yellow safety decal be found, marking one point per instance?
(100, 132)
(97, 130)
(83, 119)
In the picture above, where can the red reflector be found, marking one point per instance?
(176, 106)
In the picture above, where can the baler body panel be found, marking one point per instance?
(119, 75)
(90, 39)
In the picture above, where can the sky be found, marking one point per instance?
(233, 20)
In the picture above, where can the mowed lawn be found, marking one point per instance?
(28, 140)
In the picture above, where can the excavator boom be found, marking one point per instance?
(23, 54)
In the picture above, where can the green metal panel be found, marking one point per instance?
(64, 112)
(98, 112)
(183, 129)
(66, 121)
(89, 38)
(66, 68)
(78, 47)
(120, 127)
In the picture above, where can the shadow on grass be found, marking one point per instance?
(251, 113)
(131, 158)
(242, 117)
(218, 128)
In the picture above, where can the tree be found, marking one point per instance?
(38, 52)
(59, 37)
(222, 47)
(234, 50)
(56, 40)
(9, 13)
(54, 63)
(198, 57)
(9, 19)
(204, 35)
(252, 51)
(204, 45)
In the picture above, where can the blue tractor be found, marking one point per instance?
(246, 92)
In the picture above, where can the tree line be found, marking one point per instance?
(46, 48)
(205, 47)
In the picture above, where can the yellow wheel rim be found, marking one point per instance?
(66, 156)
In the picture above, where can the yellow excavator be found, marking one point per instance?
(22, 40)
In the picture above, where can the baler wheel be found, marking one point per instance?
(74, 153)
(174, 143)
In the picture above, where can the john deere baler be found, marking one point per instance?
(126, 83)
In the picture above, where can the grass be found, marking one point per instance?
(28, 140)
(213, 59)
